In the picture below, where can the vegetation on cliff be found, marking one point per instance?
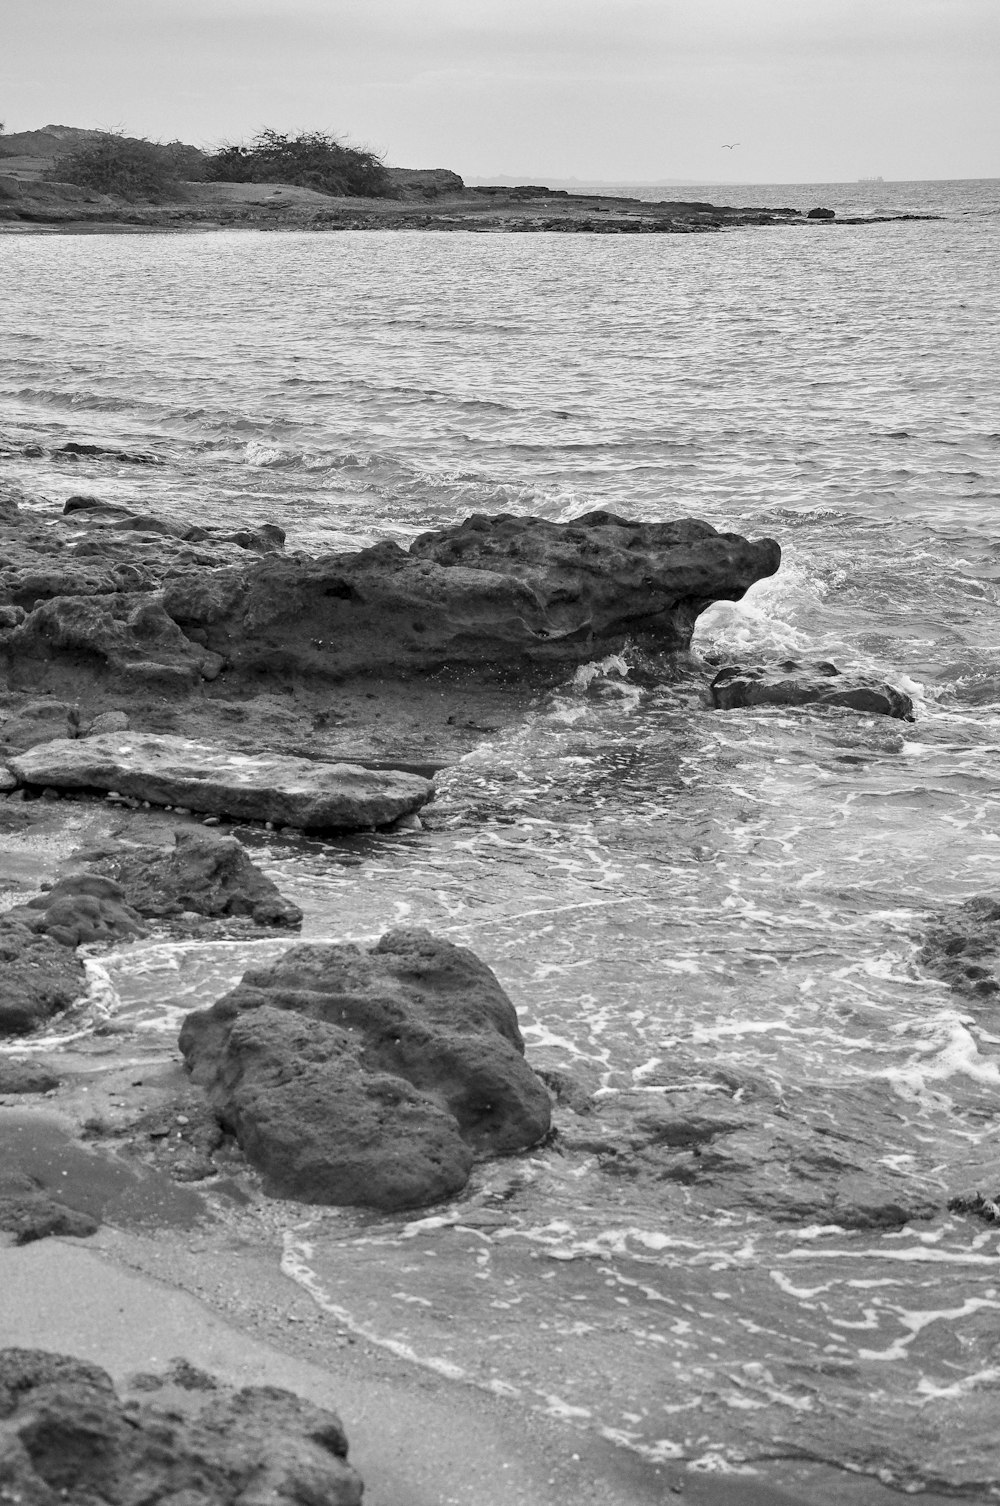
(312, 159)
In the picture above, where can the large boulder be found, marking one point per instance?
(263, 787)
(793, 683)
(205, 873)
(493, 592)
(38, 978)
(66, 1435)
(372, 1077)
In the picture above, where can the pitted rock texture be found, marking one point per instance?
(497, 592)
(963, 947)
(123, 600)
(208, 874)
(78, 909)
(794, 683)
(266, 787)
(65, 1434)
(368, 1077)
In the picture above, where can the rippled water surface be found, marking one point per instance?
(695, 912)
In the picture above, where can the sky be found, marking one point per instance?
(620, 90)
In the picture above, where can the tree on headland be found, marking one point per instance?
(129, 166)
(312, 159)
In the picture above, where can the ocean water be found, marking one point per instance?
(696, 913)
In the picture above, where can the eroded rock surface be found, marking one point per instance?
(66, 1434)
(78, 909)
(266, 787)
(796, 683)
(963, 947)
(369, 1077)
(205, 873)
(503, 592)
(38, 978)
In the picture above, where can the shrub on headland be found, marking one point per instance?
(312, 159)
(129, 166)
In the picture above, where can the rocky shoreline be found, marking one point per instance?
(167, 688)
(432, 201)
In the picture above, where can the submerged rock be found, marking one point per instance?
(759, 1156)
(38, 978)
(963, 948)
(209, 874)
(66, 1434)
(794, 683)
(265, 787)
(368, 1077)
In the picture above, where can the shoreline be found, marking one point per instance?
(29, 206)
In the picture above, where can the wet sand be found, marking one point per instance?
(133, 1301)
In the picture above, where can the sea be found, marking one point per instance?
(716, 912)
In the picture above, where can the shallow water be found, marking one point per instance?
(719, 911)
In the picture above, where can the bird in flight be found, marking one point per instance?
(727, 146)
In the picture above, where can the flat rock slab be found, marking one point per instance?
(261, 787)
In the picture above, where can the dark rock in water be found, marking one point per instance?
(498, 593)
(821, 214)
(963, 948)
(24, 1075)
(115, 598)
(748, 1156)
(369, 1077)
(38, 978)
(794, 683)
(208, 874)
(317, 1126)
(98, 452)
(264, 787)
(31, 1214)
(66, 1435)
(986, 1208)
(80, 908)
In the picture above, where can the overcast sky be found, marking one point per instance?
(627, 90)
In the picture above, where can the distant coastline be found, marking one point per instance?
(34, 200)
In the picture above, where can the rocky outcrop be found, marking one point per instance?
(208, 874)
(66, 1434)
(370, 1077)
(266, 787)
(79, 909)
(963, 947)
(125, 636)
(794, 683)
(498, 593)
(40, 978)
